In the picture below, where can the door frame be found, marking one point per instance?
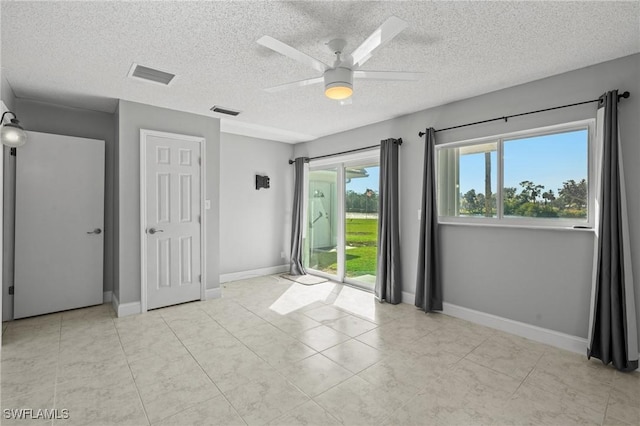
(143, 210)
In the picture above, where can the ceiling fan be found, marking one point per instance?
(338, 79)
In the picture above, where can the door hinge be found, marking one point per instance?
(199, 278)
(199, 219)
(11, 289)
(13, 152)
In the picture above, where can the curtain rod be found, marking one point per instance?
(344, 152)
(505, 118)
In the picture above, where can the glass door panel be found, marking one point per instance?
(361, 223)
(321, 242)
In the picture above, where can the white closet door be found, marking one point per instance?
(172, 220)
(59, 224)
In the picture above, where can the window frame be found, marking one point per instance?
(525, 222)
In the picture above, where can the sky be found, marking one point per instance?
(360, 185)
(546, 160)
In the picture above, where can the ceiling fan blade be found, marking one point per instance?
(300, 83)
(388, 30)
(295, 54)
(387, 75)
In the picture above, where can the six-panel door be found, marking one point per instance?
(172, 220)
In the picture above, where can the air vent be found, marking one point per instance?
(223, 110)
(150, 74)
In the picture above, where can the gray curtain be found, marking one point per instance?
(388, 284)
(297, 219)
(428, 284)
(613, 334)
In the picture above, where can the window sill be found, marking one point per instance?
(517, 226)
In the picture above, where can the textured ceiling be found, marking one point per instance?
(79, 54)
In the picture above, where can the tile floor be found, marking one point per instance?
(279, 353)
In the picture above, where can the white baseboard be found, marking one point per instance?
(114, 303)
(543, 335)
(408, 298)
(106, 296)
(235, 276)
(125, 309)
(213, 293)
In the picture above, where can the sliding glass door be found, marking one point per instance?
(342, 219)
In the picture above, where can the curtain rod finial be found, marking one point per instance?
(421, 134)
(624, 95)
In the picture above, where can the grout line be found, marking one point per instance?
(203, 371)
(278, 371)
(528, 374)
(606, 407)
(144, 409)
(55, 380)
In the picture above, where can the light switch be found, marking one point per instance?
(207, 204)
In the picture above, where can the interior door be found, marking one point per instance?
(172, 213)
(59, 236)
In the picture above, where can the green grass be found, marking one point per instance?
(361, 237)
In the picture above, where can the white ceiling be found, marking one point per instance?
(79, 53)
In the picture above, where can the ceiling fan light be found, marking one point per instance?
(338, 91)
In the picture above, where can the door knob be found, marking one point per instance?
(96, 231)
(154, 230)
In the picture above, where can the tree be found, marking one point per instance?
(366, 202)
(548, 196)
(574, 194)
(510, 201)
(530, 191)
(509, 193)
(470, 203)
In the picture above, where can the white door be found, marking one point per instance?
(171, 187)
(59, 218)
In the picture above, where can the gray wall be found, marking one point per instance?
(131, 118)
(6, 94)
(540, 277)
(48, 118)
(256, 225)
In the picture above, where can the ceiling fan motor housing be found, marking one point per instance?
(338, 83)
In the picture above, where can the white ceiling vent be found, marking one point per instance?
(224, 110)
(151, 75)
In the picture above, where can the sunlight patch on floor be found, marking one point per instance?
(356, 302)
(297, 296)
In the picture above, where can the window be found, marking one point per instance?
(537, 178)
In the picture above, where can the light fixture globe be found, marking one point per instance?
(12, 134)
(338, 83)
(338, 91)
